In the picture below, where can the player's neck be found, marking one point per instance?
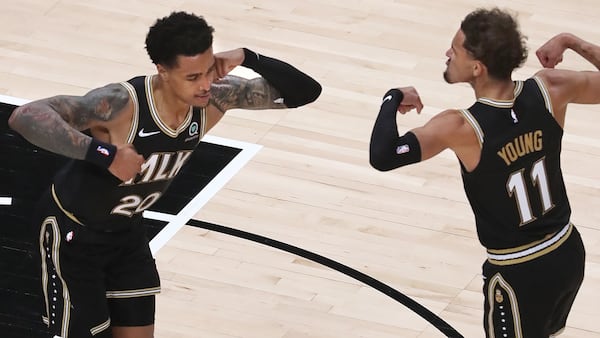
(170, 108)
(501, 90)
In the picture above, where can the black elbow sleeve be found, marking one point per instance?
(406, 150)
(296, 88)
(378, 160)
(387, 149)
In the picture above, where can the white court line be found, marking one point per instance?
(176, 222)
(159, 216)
(13, 100)
(17, 102)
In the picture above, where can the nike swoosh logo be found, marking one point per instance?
(142, 133)
(387, 98)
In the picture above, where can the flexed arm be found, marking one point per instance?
(551, 53)
(55, 124)
(387, 149)
(281, 85)
(568, 86)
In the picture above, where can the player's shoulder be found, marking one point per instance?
(451, 116)
(550, 77)
(449, 122)
(115, 90)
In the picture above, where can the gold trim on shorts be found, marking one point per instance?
(530, 251)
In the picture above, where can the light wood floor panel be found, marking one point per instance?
(311, 185)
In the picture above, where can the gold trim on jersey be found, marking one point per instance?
(497, 280)
(156, 117)
(136, 111)
(490, 102)
(545, 94)
(476, 127)
(54, 255)
(68, 214)
(496, 103)
(518, 88)
(133, 293)
(530, 251)
(203, 121)
(503, 103)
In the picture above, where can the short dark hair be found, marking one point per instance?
(180, 33)
(492, 36)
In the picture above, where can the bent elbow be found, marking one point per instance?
(314, 93)
(14, 120)
(310, 93)
(379, 162)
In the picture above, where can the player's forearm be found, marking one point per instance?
(55, 123)
(587, 50)
(388, 150)
(296, 88)
(233, 92)
(44, 127)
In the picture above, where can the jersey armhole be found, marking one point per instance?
(545, 94)
(136, 109)
(474, 124)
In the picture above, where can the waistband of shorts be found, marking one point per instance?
(131, 224)
(530, 251)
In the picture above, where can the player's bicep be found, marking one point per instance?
(233, 92)
(434, 136)
(97, 107)
(55, 123)
(589, 92)
(566, 86)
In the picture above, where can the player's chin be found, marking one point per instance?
(448, 78)
(201, 100)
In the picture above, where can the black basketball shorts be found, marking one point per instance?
(94, 280)
(531, 294)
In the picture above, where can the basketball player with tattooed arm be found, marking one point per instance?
(127, 141)
(508, 145)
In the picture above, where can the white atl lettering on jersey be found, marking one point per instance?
(142, 133)
(160, 166)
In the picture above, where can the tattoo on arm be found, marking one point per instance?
(236, 92)
(55, 123)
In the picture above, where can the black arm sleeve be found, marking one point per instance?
(295, 87)
(388, 150)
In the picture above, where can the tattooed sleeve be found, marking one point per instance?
(236, 92)
(55, 123)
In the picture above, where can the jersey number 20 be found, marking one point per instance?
(134, 204)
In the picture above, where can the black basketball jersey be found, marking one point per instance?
(517, 191)
(98, 199)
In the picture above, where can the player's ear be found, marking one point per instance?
(162, 72)
(478, 68)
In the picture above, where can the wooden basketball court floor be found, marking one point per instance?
(306, 180)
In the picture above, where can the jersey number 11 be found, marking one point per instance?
(516, 187)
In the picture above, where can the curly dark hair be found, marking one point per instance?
(179, 33)
(492, 36)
